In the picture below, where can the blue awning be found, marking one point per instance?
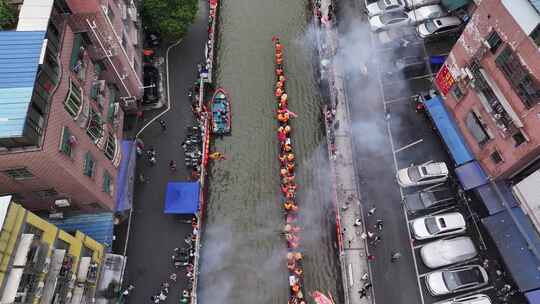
(99, 226)
(471, 175)
(126, 176)
(518, 258)
(182, 198)
(448, 131)
(492, 201)
(533, 297)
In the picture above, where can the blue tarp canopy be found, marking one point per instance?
(126, 175)
(492, 201)
(182, 198)
(471, 175)
(533, 297)
(518, 258)
(448, 130)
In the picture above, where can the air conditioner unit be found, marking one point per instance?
(101, 100)
(123, 11)
(64, 202)
(132, 13)
(116, 108)
(129, 101)
(101, 86)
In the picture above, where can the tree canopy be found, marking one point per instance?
(170, 18)
(8, 16)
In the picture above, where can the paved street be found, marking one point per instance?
(154, 234)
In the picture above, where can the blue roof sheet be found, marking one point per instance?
(448, 130)
(98, 226)
(19, 62)
(126, 175)
(182, 198)
(471, 175)
(513, 247)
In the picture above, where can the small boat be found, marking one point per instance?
(221, 112)
(321, 298)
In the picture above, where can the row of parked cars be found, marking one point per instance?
(430, 19)
(451, 247)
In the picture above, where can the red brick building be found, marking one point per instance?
(496, 69)
(67, 74)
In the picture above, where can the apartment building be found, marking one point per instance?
(68, 73)
(40, 263)
(489, 118)
(496, 69)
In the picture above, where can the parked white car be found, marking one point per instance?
(425, 13)
(384, 6)
(414, 4)
(446, 252)
(433, 226)
(456, 279)
(388, 20)
(425, 174)
(399, 18)
(478, 298)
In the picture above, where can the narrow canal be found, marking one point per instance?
(243, 254)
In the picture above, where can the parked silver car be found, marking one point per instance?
(425, 174)
(438, 27)
(438, 225)
(456, 279)
(446, 252)
(425, 13)
(399, 18)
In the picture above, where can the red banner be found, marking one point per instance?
(444, 80)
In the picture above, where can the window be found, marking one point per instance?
(73, 100)
(95, 126)
(89, 165)
(519, 138)
(107, 182)
(496, 157)
(535, 35)
(524, 83)
(457, 92)
(494, 41)
(110, 146)
(110, 13)
(47, 193)
(65, 142)
(19, 173)
(476, 128)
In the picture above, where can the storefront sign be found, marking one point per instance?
(444, 80)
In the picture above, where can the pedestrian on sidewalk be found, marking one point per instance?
(371, 257)
(172, 277)
(172, 165)
(152, 161)
(163, 125)
(371, 211)
(379, 224)
(142, 179)
(362, 292)
(375, 240)
(368, 285)
(357, 222)
(395, 256)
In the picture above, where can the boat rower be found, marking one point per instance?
(290, 157)
(279, 61)
(279, 92)
(279, 72)
(290, 167)
(284, 97)
(298, 271)
(283, 172)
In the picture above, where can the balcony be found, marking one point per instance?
(494, 101)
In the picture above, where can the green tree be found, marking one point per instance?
(8, 16)
(170, 18)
